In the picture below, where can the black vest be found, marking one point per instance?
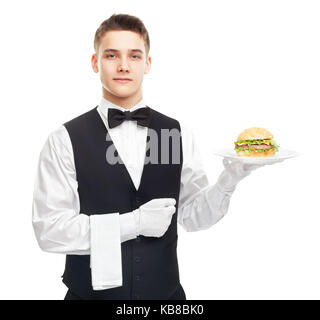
(149, 264)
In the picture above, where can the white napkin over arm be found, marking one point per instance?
(105, 259)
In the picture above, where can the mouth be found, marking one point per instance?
(122, 80)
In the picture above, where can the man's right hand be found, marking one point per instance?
(154, 217)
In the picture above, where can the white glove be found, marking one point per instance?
(154, 217)
(235, 171)
(128, 226)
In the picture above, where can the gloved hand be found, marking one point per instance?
(236, 170)
(154, 217)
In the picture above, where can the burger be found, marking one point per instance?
(255, 142)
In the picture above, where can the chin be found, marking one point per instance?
(119, 92)
(123, 93)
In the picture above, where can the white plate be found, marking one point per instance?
(281, 155)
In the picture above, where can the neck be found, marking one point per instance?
(124, 102)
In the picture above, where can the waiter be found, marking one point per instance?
(116, 221)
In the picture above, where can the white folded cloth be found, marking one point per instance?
(105, 258)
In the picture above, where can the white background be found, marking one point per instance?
(217, 66)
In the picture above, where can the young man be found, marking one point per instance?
(117, 221)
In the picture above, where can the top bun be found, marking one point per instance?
(255, 133)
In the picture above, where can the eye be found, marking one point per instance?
(109, 55)
(137, 57)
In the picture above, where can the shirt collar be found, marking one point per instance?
(106, 104)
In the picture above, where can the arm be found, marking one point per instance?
(200, 205)
(58, 225)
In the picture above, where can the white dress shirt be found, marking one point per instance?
(59, 225)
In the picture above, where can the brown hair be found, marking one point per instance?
(122, 22)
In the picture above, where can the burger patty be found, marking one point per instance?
(256, 146)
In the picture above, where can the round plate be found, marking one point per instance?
(281, 155)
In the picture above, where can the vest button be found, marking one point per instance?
(137, 277)
(137, 259)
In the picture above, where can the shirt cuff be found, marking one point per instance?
(128, 226)
(105, 258)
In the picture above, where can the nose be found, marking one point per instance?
(123, 65)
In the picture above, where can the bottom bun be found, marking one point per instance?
(269, 153)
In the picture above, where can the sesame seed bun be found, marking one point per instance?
(255, 133)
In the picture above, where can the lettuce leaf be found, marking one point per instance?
(250, 142)
(256, 150)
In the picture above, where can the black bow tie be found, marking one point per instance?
(116, 116)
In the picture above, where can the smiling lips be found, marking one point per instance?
(122, 80)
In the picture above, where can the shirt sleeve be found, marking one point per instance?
(200, 205)
(58, 224)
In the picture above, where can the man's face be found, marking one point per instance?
(121, 54)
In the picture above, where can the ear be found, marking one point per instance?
(94, 63)
(148, 65)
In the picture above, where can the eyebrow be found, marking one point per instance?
(115, 50)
